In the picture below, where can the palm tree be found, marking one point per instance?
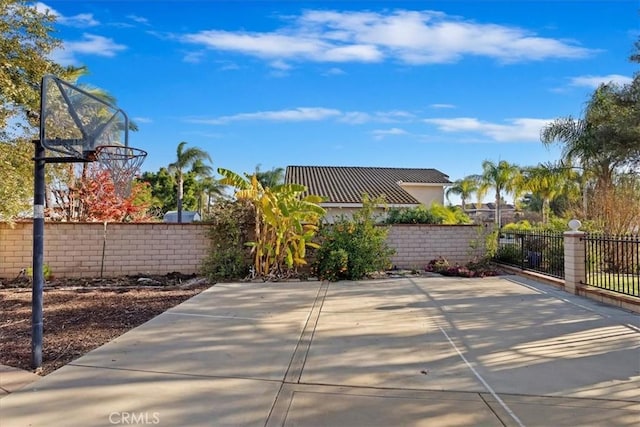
(596, 142)
(464, 188)
(270, 178)
(579, 146)
(212, 188)
(207, 186)
(184, 159)
(502, 177)
(545, 181)
(200, 171)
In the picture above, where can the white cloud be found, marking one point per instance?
(263, 45)
(379, 134)
(138, 19)
(360, 117)
(142, 120)
(355, 117)
(90, 44)
(412, 37)
(442, 106)
(193, 57)
(293, 115)
(394, 116)
(282, 46)
(80, 20)
(62, 57)
(595, 81)
(227, 66)
(280, 65)
(516, 130)
(334, 71)
(311, 114)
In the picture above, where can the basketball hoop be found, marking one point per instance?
(122, 163)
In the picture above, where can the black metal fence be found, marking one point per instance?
(613, 263)
(540, 251)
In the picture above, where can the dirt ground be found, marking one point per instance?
(83, 314)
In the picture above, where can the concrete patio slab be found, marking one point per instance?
(556, 411)
(410, 352)
(288, 301)
(79, 396)
(13, 379)
(401, 354)
(230, 331)
(380, 341)
(202, 346)
(541, 346)
(366, 407)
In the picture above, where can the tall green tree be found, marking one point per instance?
(16, 178)
(26, 42)
(163, 189)
(212, 189)
(502, 177)
(464, 188)
(270, 178)
(604, 142)
(613, 117)
(606, 139)
(206, 186)
(185, 157)
(546, 182)
(631, 95)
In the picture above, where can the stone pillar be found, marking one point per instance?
(574, 260)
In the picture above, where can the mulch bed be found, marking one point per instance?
(82, 314)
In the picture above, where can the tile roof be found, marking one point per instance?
(347, 184)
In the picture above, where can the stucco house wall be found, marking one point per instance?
(335, 211)
(426, 194)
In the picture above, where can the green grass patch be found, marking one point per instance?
(628, 284)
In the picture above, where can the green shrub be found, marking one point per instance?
(534, 243)
(438, 265)
(555, 258)
(352, 248)
(418, 215)
(450, 215)
(436, 214)
(554, 224)
(509, 254)
(522, 225)
(231, 226)
(46, 272)
(481, 267)
(334, 265)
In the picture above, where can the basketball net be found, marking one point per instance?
(123, 165)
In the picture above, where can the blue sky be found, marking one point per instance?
(440, 85)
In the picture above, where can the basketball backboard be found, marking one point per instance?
(74, 122)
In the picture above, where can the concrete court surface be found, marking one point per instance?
(424, 351)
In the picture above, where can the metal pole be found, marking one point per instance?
(38, 257)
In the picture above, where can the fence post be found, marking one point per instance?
(574, 258)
